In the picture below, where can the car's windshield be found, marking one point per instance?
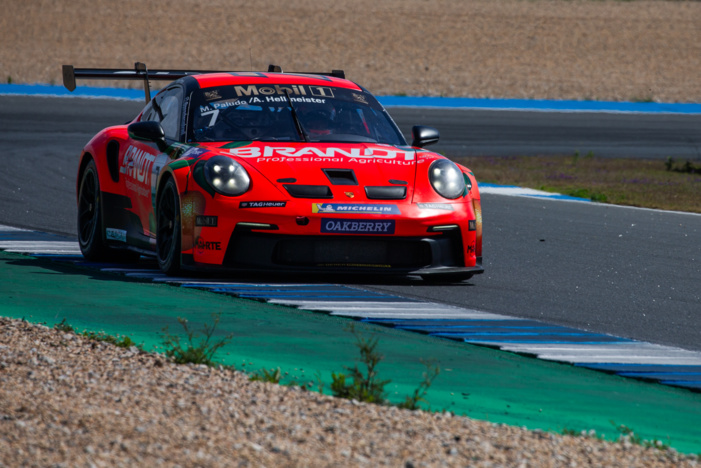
(262, 112)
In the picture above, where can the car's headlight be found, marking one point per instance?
(226, 176)
(446, 179)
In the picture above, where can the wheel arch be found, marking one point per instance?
(84, 161)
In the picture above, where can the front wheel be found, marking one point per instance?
(168, 229)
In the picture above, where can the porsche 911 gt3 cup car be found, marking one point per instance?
(272, 171)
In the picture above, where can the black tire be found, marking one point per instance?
(90, 232)
(168, 229)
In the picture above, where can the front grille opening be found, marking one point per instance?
(385, 192)
(396, 253)
(308, 191)
(281, 252)
(341, 176)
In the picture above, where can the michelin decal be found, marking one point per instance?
(354, 208)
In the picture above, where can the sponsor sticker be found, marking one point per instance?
(436, 206)
(355, 208)
(206, 221)
(359, 98)
(194, 152)
(357, 226)
(472, 225)
(321, 91)
(313, 153)
(116, 234)
(203, 245)
(262, 204)
(137, 164)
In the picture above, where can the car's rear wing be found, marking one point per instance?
(140, 72)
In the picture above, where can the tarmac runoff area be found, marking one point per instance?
(475, 381)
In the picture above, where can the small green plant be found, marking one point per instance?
(119, 341)
(590, 434)
(669, 163)
(628, 434)
(63, 326)
(429, 375)
(586, 193)
(265, 375)
(9, 79)
(687, 168)
(367, 387)
(197, 350)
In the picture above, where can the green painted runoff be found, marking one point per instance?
(477, 382)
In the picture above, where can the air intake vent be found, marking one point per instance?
(309, 191)
(385, 193)
(341, 176)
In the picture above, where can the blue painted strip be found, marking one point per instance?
(298, 296)
(678, 383)
(60, 257)
(481, 329)
(677, 376)
(507, 333)
(528, 192)
(31, 236)
(451, 322)
(274, 290)
(60, 91)
(541, 339)
(540, 105)
(400, 101)
(618, 368)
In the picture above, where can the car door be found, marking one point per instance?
(142, 161)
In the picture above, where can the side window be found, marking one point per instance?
(149, 113)
(168, 102)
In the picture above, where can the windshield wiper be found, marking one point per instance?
(298, 124)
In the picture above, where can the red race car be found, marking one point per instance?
(273, 171)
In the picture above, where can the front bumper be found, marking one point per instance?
(294, 238)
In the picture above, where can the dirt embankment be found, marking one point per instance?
(69, 401)
(554, 49)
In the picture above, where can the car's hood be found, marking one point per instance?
(304, 163)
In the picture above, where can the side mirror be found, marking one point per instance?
(148, 131)
(424, 136)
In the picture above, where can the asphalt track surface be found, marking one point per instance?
(516, 133)
(627, 272)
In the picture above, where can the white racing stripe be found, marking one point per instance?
(40, 247)
(418, 314)
(596, 359)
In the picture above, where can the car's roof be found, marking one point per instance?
(211, 80)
